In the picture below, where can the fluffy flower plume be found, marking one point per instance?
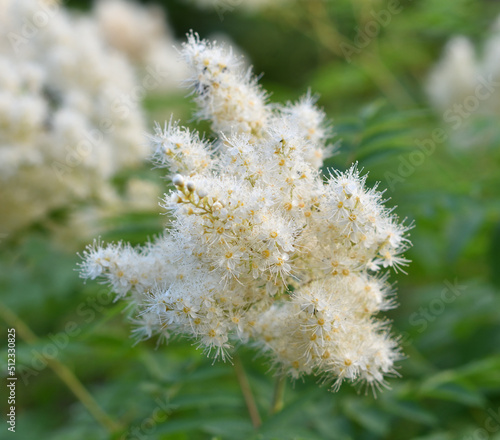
(261, 248)
(226, 92)
(142, 34)
(456, 74)
(465, 75)
(65, 127)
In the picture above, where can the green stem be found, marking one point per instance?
(64, 373)
(279, 392)
(247, 392)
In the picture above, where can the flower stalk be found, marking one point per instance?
(278, 394)
(247, 391)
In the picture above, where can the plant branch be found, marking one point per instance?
(247, 392)
(278, 393)
(61, 370)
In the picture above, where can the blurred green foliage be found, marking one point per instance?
(449, 313)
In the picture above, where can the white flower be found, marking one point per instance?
(267, 252)
(227, 94)
(142, 34)
(464, 74)
(455, 76)
(64, 128)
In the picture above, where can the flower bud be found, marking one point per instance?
(178, 180)
(190, 186)
(175, 198)
(202, 193)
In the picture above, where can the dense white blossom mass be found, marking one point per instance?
(141, 32)
(465, 80)
(261, 247)
(66, 123)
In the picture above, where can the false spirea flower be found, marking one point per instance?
(466, 73)
(66, 126)
(142, 33)
(261, 248)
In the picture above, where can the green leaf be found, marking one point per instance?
(367, 416)
(450, 385)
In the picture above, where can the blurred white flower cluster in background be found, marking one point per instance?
(223, 6)
(261, 247)
(142, 34)
(464, 85)
(455, 75)
(68, 123)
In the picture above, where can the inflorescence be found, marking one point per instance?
(261, 247)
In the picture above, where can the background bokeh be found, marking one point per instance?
(449, 302)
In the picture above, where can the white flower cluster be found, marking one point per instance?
(464, 79)
(65, 127)
(141, 33)
(223, 6)
(261, 248)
